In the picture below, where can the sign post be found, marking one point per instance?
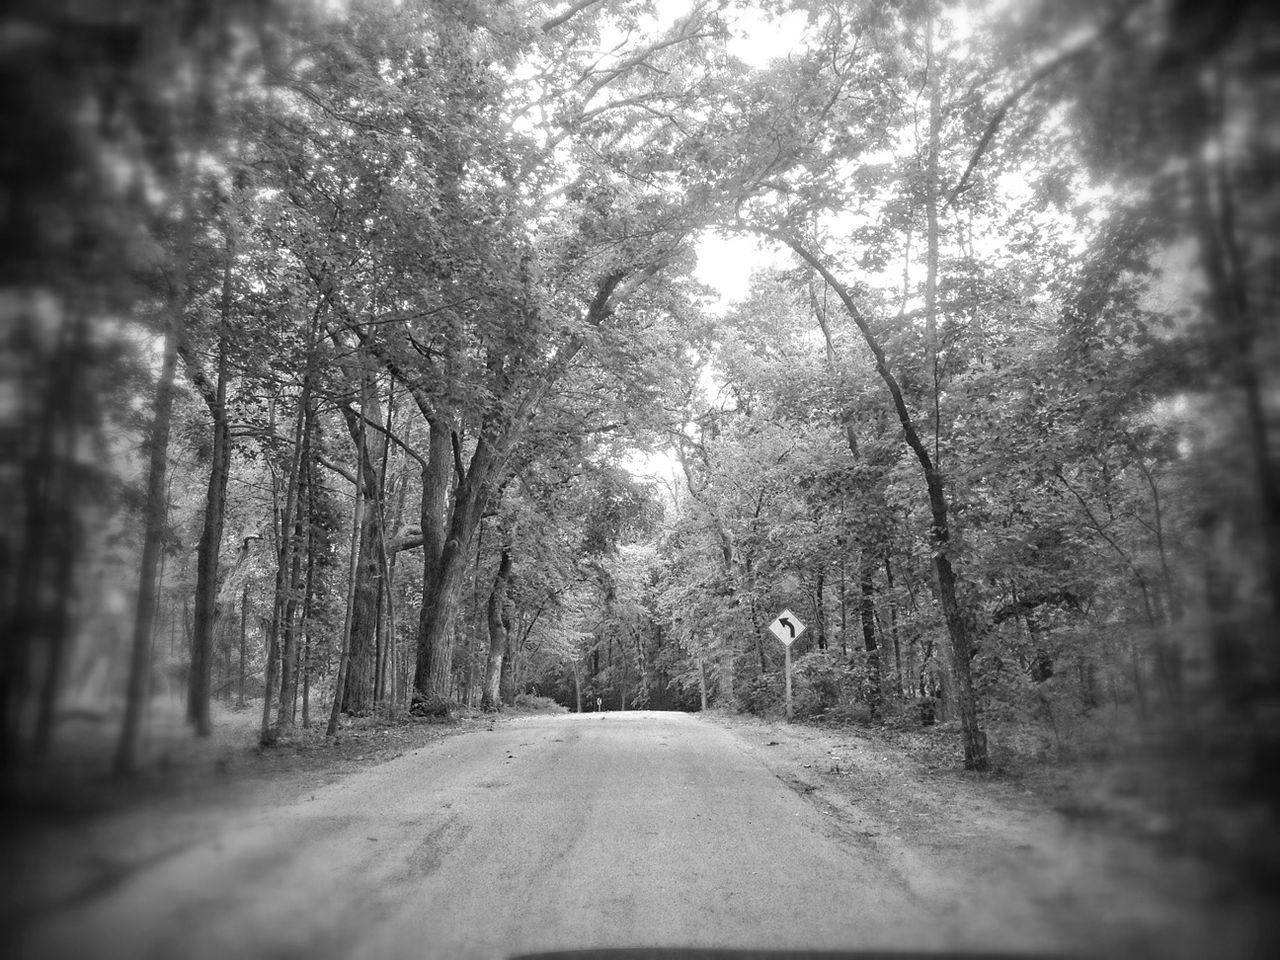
(786, 628)
(787, 671)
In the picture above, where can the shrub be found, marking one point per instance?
(822, 685)
(531, 703)
(763, 695)
(820, 682)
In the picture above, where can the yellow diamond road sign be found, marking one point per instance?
(787, 627)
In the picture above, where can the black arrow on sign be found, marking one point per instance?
(787, 623)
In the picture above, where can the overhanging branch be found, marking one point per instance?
(1051, 66)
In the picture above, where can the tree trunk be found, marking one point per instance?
(153, 544)
(56, 635)
(959, 628)
(499, 629)
(206, 591)
(893, 626)
(867, 611)
(200, 678)
(392, 683)
(507, 682)
(284, 567)
(359, 689)
(865, 579)
(932, 189)
(302, 522)
(844, 611)
(308, 606)
(820, 610)
(757, 631)
(344, 655)
(126, 757)
(25, 615)
(244, 613)
(380, 636)
(1214, 219)
(57, 508)
(444, 571)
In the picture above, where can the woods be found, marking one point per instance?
(366, 359)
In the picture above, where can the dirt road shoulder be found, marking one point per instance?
(965, 843)
(77, 832)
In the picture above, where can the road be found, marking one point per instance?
(547, 832)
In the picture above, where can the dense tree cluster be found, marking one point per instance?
(334, 334)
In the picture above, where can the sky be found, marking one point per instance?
(727, 262)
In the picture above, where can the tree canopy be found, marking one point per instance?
(359, 351)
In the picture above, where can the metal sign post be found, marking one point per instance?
(787, 668)
(786, 628)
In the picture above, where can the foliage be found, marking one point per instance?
(529, 703)
(1027, 294)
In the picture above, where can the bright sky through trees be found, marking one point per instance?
(727, 262)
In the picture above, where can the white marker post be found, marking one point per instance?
(786, 628)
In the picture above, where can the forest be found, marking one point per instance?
(363, 359)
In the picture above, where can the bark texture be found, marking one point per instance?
(499, 629)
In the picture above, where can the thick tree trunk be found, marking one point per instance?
(433, 675)
(432, 517)
(444, 572)
(961, 632)
(499, 629)
(1220, 252)
(359, 690)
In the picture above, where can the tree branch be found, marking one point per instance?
(1063, 598)
(459, 470)
(563, 18)
(199, 379)
(337, 468)
(386, 433)
(1047, 68)
(409, 538)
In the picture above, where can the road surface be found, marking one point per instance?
(548, 832)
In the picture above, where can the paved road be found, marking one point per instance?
(598, 830)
